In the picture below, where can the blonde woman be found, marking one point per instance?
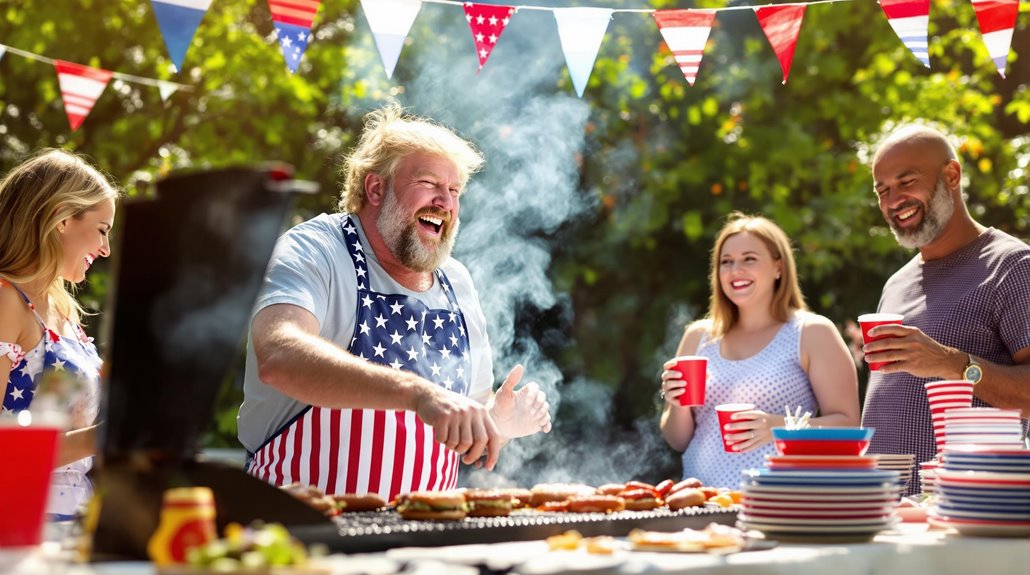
(763, 347)
(56, 212)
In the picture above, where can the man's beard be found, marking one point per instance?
(936, 215)
(402, 237)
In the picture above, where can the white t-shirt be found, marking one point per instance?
(311, 268)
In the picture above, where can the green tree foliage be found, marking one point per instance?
(664, 161)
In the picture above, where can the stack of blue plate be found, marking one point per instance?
(983, 490)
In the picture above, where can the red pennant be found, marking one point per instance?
(81, 87)
(487, 21)
(781, 25)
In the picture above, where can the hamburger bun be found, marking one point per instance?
(433, 505)
(544, 492)
(488, 503)
(520, 497)
(595, 503)
(350, 502)
(313, 496)
(686, 498)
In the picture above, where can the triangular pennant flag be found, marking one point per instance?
(581, 31)
(781, 25)
(166, 89)
(178, 20)
(910, 20)
(487, 22)
(81, 86)
(686, 32)
(292, 20)
(997, 20)
(390, 21)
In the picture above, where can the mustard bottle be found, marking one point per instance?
(187, 521)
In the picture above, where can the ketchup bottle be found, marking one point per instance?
(187, 521)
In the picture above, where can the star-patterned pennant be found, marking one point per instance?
(178, 21)
(390, 21)
(910, 20)
(781, 25)
(997, 20)
(81, 87)
(292, 20)
(487, 22)
(581, 31)
(686, 33)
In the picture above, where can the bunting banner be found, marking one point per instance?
(292, 21)
(686, 33)
(81, 87)
(178, 21)
(997, 20)
(3, 50)
(166, 89)
(910, 20)
(581, 31)
(487, 22)
(782, 25)
(390, 21)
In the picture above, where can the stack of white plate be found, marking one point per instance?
(927, 473)
(819, 504)
(903, 464)
(984, 426)
(983, 490)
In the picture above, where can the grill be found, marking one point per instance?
(364, 532)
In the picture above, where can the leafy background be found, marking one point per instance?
(589, 231)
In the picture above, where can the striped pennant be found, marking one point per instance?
(686, 32)
(292, 20)
(178, 21)
(910, 20)
(487, 22)
(997, 20)
(781, 25)
(390, 21)
(81, 86)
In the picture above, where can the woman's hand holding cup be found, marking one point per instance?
(684, 380)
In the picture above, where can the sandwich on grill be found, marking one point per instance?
(488, 503)
(348, 502)
(432, 505)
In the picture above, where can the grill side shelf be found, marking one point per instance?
(365, 532)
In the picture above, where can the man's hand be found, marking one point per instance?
(909, 350)
(461, 424)
(520, 413)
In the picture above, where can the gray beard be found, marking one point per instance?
(401, 236)
(937, 214)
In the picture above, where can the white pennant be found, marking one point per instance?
(166, 89)
(390, 21)
(581, 31)
(3, 50)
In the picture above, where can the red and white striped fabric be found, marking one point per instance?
(781, 25)
(358, 451)
(81, 87)
(686, 32)
(997, 20)
(910, 20)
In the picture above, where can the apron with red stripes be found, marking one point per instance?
(387, 452)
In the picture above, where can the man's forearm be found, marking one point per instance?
(1004, 386)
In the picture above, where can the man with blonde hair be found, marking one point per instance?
(368, 367)
(965, 297)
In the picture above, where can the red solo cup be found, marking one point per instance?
(29, 453)
(694, 370)
(963, 383)
(725, 413)
(869, 321)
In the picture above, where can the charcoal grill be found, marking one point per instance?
(370, 531)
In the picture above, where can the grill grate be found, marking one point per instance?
(364, 532)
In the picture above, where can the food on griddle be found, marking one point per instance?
(641, 499)
(488, 503)
(686, 498)
(545, 492)
(348, 502)
(595, 504)
(688, 483)
(520, 497)
(554, 506)
(313, 496)
(664, 487)
(432, 505)
(611, 488)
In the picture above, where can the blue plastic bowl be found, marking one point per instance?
(824, 434)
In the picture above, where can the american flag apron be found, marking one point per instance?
(387, 452)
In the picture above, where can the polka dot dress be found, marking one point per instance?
(770, 379)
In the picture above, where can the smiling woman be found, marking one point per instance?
(56, 214)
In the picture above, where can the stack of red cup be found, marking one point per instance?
(944, 395)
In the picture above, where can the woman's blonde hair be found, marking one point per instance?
(35, 197)
(787, 297)
(388, 136)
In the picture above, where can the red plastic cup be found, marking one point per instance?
(725, 413)
(29, 454)
(694, 369)
(869, 321)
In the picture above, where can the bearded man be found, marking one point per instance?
(965, 297)
(368, 365)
